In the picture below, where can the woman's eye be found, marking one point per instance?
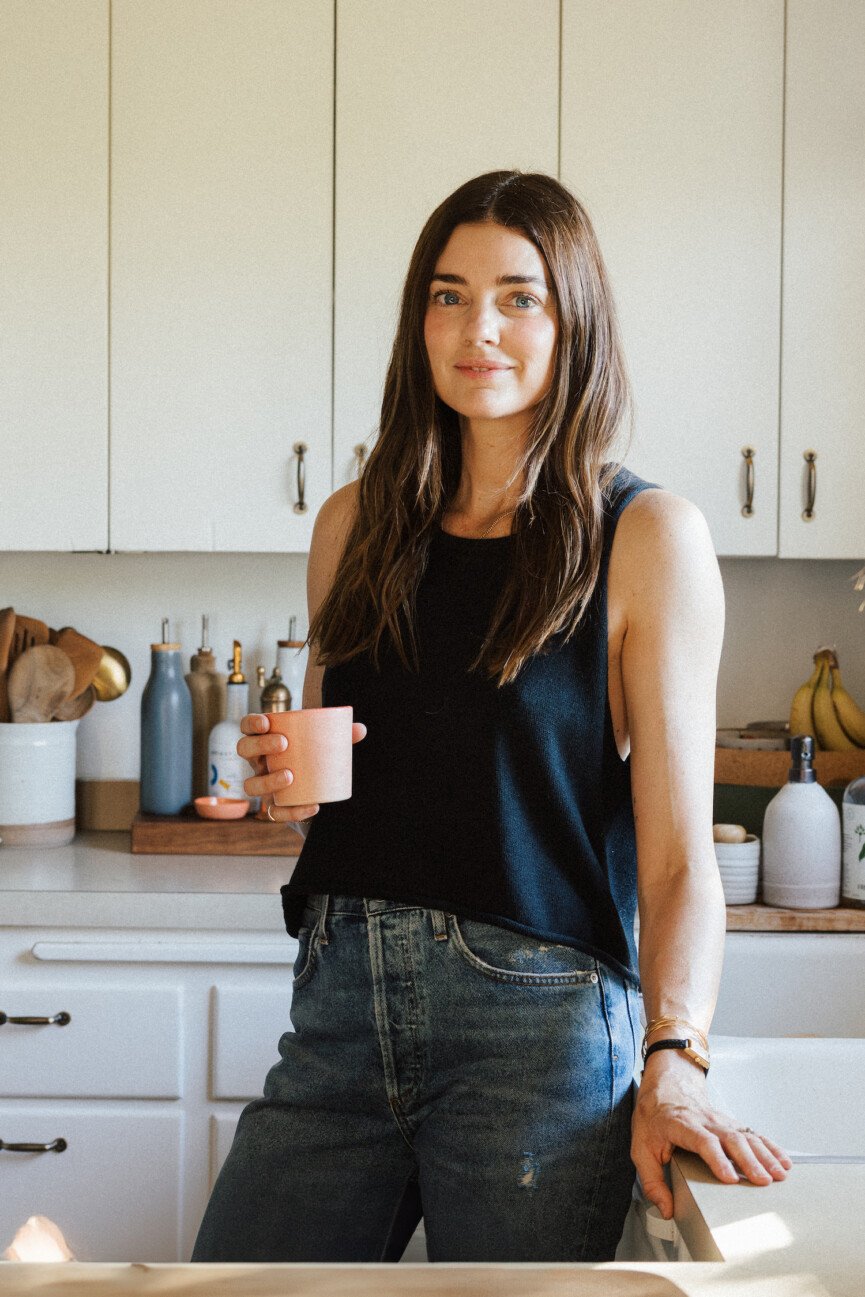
(528, 297)
(444, 292)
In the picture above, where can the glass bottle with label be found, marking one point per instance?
(853, 850)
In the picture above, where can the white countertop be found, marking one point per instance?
(809, 1224)
(96, 881)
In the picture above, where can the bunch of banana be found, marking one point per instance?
(824, 708)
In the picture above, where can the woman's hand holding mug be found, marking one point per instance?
(262, 740)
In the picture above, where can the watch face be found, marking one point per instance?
(697, 1055)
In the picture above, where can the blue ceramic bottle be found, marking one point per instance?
(166, 732)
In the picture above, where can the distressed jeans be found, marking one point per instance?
(443, 1067)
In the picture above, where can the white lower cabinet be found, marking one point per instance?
(114, 1189)
(137, 1040)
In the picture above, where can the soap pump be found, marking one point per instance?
(802, 838)
(228, 769)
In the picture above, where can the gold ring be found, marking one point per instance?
(269, 816)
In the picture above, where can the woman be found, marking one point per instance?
(529, 636)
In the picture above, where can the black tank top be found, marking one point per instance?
(509, 805)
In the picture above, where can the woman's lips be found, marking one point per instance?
(484, 371)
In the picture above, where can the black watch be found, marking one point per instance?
(691, 1048)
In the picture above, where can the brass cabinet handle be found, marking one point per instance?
(56, 1020)
(808, 512)
(300, 449)
(54, 1146)
(748, 507)
(360, 454)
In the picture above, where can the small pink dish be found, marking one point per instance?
(221, 808)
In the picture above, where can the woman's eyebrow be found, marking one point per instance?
(502, 279)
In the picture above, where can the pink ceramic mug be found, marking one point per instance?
(319, 754)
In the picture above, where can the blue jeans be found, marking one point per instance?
(442, 1067)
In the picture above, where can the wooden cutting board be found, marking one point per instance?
(188, 834)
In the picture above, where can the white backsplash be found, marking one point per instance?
(778, 612)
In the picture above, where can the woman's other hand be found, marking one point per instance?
(673, 1111)
(264, 783)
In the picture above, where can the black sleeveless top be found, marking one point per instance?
(508, 805)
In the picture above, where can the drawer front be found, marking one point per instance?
(247, 1022)
(122, 1041)
(114, 1191)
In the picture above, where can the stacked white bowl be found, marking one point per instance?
(739, 866)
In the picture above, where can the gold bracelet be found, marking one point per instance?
(671, 1021)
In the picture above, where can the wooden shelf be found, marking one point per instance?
(771, 918)
(770, 769)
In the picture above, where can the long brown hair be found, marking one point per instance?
(413, 471)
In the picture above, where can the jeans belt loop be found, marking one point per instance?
(323, 938)
(439, 925)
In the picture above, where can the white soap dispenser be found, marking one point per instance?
(802, 838)
(228, 769)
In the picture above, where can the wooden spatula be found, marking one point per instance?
(7, 630)
(39, 681)
(84, 654)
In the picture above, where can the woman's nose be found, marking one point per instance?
(482, 324)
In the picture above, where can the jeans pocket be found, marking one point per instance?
(508, 956)
(304, 962)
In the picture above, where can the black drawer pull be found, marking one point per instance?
(55, 1146)
(56, 1020)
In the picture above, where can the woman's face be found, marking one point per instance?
(491, 325)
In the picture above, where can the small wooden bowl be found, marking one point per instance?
(221, 808)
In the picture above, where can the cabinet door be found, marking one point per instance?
(114, 1190)
(672, 137)
(428, 95)
(823, 363)
(221, 219)
(247, 1023)
(117, 1040)
(54, 275)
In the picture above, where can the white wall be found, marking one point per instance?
(778, 612)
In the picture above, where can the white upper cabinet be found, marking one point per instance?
(672, 137)
(823, 358)
(427, 96)
(221, 271)
(53, 275)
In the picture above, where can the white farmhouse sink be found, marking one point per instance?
(803, 1092)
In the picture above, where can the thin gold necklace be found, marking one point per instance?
(503, 514)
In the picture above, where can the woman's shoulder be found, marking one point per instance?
(662, 539)
(340, 508)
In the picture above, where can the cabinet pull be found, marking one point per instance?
(809, 457)
(300, 449)
(56, 1020)
(360, 454)
(54, 1146)
(748, 507)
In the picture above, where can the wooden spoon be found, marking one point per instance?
(76, 706)
(7, 630)
(84, 654)
(39, 681)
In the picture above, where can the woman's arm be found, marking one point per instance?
(330, 531)
(666, 566)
